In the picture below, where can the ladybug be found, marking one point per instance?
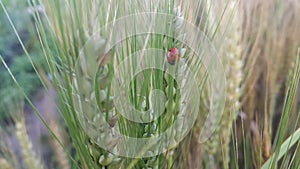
(173, 55)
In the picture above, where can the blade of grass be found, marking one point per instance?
(287, 108)
(285, 147)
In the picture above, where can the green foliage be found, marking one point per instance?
(8, 41)
(25, 75)
(13, 54)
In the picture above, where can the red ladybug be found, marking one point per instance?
(173, 55)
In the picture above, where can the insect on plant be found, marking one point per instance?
(173, 55)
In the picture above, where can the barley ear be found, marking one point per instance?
(5, 164)
(30, 158)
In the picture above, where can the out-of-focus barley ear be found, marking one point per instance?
(233, 63)
(211, 145)
(5, 164)
(7, 150)
(31, 160)
(227, 37)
